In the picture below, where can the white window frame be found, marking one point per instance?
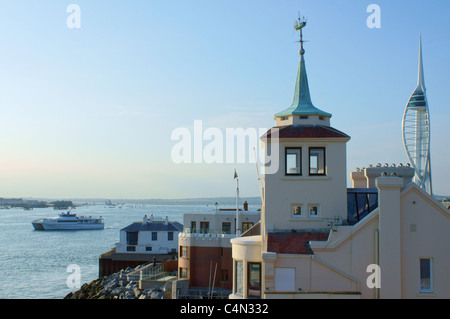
(293, 207)
(309, 210)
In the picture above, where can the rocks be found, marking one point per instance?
(116, 286)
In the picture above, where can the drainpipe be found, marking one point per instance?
(377, 256)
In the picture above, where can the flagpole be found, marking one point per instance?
(238, 230)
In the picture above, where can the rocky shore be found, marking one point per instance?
(118, 286)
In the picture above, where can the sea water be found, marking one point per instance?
(34, 264)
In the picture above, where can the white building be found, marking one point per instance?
(205, 245)
(384, 238)
(151, 236)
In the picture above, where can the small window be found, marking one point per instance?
(224, 275)
(321, 118)
(131, 248)
(204, 227)
(148, 248)
(183, 273)
(317, 161)
(246, 226)
(284, 118)
(297, 211)
(293, 161)
(193, 227)
(303, 117)
(170, 235)
(313, 211)
(226, 228)
(426, 278)
(183, 251)
(154, 235)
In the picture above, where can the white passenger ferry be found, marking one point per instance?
(69, 221)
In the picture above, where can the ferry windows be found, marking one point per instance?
(426, 277)
(293, 161)
(317, 161)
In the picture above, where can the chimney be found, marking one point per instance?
(405, 172)
(389, 225)
(245, 206)
(359, 179)
(145, 220)
(151, 217)
(166, 221)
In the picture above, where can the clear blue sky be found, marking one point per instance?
(89, 112)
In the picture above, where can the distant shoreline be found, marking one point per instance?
(46, 202)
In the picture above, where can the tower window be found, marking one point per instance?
(293, 161)
(317, 161)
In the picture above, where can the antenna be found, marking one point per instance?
(259, 178)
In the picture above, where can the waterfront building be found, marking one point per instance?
(152, 239)
(385, 237)
(151, 236)
(205, 249)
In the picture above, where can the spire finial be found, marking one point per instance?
(298, 26)
(421, 79)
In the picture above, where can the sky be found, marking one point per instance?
(90, 111)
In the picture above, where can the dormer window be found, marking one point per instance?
(293, 161)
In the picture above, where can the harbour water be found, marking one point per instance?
(34, 264)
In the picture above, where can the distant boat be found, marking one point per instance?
(69, 221)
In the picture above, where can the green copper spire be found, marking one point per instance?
(302, 104)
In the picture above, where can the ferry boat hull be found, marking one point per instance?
(68, 222)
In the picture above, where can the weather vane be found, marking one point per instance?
(298, 26)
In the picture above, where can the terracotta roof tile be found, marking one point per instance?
(293, 242)
(305, 131)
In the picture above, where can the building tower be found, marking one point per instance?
(416, 131)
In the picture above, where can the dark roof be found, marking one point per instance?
(154, 226)
(305, 131)
(293, 242)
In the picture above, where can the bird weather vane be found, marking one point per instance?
(298, 26)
